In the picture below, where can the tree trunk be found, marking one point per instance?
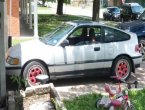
(43, 2)
(96, 9)
(59, 7)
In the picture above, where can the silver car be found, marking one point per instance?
(76, 49)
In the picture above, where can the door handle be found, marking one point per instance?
(97, 49)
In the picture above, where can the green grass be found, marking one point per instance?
(17, 41)
(87, 102)
(51, 21)
(47, 23)
(138, 98)
(84, 102)
(42, 8)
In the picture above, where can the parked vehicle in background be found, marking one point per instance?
(137, 27)
(130, 11)
(76, 49)
(112, 13)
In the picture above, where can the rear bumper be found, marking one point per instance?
(137, 61)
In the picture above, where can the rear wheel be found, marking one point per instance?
(122, 67)
(31, 70)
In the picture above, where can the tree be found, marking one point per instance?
(60, 7)
(96, 9)
(43, 2)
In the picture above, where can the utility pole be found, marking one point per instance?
(3, 27)
(35, 19)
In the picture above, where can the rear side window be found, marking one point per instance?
(113, 35)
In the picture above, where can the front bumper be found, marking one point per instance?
(13, 70)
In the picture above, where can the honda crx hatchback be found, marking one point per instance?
(76, 49)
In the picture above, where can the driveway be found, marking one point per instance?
(69, 88)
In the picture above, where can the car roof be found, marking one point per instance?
(81, 23)
(131, 4)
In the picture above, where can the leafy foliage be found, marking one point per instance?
(21, 82)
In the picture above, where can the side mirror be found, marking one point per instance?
(65, 43)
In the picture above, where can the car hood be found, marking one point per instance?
(116, 13)
(131, 24)
(29, 50)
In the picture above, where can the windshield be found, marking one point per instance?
(56, 35)
(114, 10)
(142, 16)
(137, 9)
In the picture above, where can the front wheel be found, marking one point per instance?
(131, 107)
(97, 104)
(122, 67)
(31, 70)
(121, 19)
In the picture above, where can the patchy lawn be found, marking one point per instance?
(87, 102)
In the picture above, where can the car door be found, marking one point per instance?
(109, 46)
(85, 55)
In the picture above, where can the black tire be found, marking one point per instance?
(122, 67)
(97, 104)
(105, 18)
(33, 69)
(131, 107)
(122, 20)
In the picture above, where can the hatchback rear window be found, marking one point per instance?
(113, 35)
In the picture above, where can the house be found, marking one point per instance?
(13, 18)
(20, 13)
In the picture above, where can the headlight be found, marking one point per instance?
(115, 15)
(12, 61)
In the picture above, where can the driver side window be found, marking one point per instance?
(85, 36)
(78, 36)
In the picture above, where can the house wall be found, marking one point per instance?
(13, 20)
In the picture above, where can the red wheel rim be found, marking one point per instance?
(122, 69)
(33, 72)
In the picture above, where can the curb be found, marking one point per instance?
(11, 100)
(47, 88)
(57, 97)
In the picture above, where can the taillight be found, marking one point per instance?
(138, 48)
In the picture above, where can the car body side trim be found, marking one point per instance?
(81, 73)
(92, 61)
(89, 61)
